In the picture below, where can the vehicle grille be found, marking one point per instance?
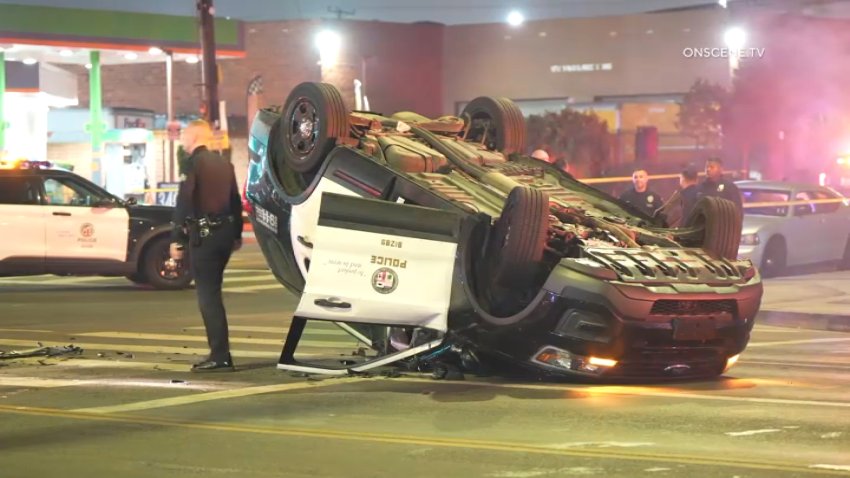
(694, 307)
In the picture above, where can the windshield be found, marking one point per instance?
(764, 202)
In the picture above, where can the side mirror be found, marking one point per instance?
(131, 202)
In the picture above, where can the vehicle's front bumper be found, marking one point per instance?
(650, 331)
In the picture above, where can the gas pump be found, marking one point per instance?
(125, 162)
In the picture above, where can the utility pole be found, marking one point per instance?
(209, 71)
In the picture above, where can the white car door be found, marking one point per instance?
(22, 240)
(83, 223)
(806, 238)
(305, 220)
(835, 219)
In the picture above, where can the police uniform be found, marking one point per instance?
(724, 188)
(208, 201)
(647, 201)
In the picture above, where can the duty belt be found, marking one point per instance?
(202, 226)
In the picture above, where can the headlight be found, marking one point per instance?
(750, 239)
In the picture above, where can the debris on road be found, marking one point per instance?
(41, 351)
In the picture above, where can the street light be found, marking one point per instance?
(515, 18)
(329, 43)
(735, 39)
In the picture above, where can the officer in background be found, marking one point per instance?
(640, 196)
(716, 185)
(208, 220)
(680, 205)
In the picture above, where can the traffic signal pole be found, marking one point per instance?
(209, 71)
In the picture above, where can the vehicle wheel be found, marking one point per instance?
(775, 258)
(519, 237)
(497, 123)
(845, 259)
(721, 223)
(159, 275)
(314, 117)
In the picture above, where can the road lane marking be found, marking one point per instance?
(92, 363)
(37, 331)
(220, 395)
(234, 340)
(425, 441)
(253, 288)
(636, 391)
(39, 382)
(752, 432)
(795, 364)
(157, 349)
(277, 330)
(798, 342)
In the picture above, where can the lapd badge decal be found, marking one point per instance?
(384, 280)
(650, 199)
(721, 188)
(87, 230)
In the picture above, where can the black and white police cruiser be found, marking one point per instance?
(53, 221)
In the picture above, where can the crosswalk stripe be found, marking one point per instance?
(38, 382)
(259, 278)
(198, 338)
(156, 349)
(122, 364)
(253, 288)
(234, 277)
(280, 331)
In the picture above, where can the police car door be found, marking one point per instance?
(378, 262)
(22, 222)
(83, 222)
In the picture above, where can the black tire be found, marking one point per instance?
(721, 223)
(500, 119)
(153, 267)
(775, 258)
(314, 117)
(519, 237)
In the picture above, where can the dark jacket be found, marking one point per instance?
(724, 188)
(647, 201)
(208, 188)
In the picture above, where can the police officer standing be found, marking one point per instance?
(208, 221)
(680, 205)
(640, 196)
(716, 185)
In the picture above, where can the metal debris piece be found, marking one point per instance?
(101, 355)
(41, 351)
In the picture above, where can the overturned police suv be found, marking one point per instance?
(444, 235)
(56, 222)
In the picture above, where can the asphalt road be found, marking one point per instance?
(127, 406)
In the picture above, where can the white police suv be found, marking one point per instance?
(55, 222)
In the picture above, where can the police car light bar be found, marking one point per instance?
(25, 164)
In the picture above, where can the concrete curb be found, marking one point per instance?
(830, 322)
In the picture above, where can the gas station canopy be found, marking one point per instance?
(32, 34)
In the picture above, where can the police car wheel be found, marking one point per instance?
(155, 267)
(314, 117)
(496, 122)
(721, 223)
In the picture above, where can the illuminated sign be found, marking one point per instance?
(581, 68)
